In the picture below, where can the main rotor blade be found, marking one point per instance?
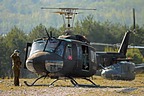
(61, 12)
(67, 8)
(85, 9)
(48, 8)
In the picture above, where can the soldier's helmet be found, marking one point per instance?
(16, 51)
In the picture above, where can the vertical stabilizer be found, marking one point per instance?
(124, 44)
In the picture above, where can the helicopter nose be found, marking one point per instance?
(43, 62)
(29, 65)
(53, 65)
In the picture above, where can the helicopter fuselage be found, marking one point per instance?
(72, 56)
(61, 58)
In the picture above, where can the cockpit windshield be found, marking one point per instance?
(51, 45)
(44, 45)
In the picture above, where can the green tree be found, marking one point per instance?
(15, 39)
(136, 55)
(138, 37)
(55, 32)
(110, 49)
(88, 27)
(37, 32)
(2, 56)
(78, 28)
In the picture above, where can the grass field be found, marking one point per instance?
(65, 88)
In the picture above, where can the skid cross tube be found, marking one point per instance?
(91, 82)
(53, 82)
(34, 81)
(71, 79)
(74, 82)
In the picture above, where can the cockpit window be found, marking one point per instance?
(37, 46)
(51, 45)
(41, 45)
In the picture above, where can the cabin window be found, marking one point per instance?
(92, 56)
(79, 52)
(68, 52)
(60, 49)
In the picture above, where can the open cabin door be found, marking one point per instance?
(27, 53)
(85, 57)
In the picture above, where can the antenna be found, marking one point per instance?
(47, 33)
(134, 27)
(51, 34)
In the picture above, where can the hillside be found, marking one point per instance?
(27, 14)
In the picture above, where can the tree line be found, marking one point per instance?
(28, 13)
(105, 32)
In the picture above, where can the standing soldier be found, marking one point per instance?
(16, 66)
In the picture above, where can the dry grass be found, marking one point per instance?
(65, 88)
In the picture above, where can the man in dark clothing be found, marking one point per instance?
(16, 66)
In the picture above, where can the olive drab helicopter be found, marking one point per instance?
(69, 56)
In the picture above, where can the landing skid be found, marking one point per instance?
(73, 81)
(43, 76)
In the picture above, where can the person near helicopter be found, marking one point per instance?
(16, 64)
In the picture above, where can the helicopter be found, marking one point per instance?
(116, 66)
(70, 56)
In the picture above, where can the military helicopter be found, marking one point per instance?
(115, 65)
(68, 56)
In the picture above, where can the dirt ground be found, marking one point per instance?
(65, 88)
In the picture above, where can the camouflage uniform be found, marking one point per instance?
(16, 67)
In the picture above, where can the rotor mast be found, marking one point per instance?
(68, 14)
